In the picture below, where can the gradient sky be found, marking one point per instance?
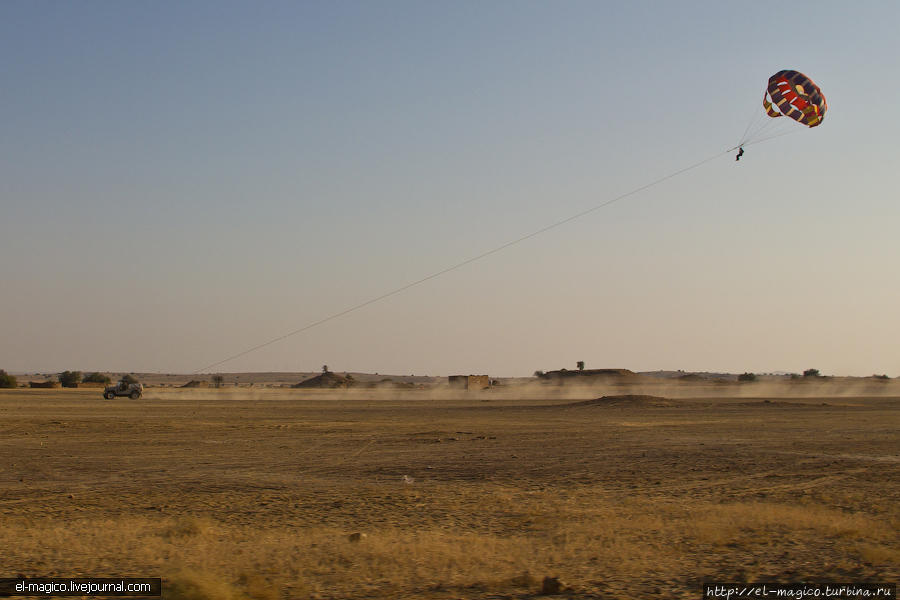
(180, 181)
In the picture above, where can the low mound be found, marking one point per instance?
(779, 403)
(193, 383)
(389, 384)
(628, 401)
(692, 377)
(326, 380)
(588, 374)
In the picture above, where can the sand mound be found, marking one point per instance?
(628, 401)
(193, 383)
(326, 380)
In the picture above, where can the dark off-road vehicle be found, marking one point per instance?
(132, 390)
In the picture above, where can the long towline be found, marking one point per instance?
(469, 260)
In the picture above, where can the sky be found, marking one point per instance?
(183, 181)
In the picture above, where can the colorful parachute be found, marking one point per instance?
(793, 94)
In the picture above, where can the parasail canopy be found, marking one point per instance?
(793, 94)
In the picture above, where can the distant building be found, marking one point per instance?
(43, 384)
(469, 382)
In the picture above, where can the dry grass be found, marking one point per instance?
(255, 500)
(584, 543)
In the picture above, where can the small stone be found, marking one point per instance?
(356, 537)
(551, 586)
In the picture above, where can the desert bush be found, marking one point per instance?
(7, 380)
(69, 379)
(811, 373)
(129, 379)
(188, 526)
(96, 378)
(747, 377)
(200, 585)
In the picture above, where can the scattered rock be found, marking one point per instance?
(356, 537)
(525, 580)
(552, 586)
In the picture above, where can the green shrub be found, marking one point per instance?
(97, 378)
(69, 379)
(7, 380)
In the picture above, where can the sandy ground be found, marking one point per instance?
(232, 495)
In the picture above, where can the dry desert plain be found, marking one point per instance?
(257, 493)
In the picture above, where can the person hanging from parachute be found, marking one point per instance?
(789, 94)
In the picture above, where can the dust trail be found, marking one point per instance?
(530, 390)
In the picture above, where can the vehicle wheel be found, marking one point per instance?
(135, 395)
(109, 395)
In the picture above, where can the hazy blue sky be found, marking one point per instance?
(180, 181)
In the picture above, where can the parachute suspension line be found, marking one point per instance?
(754, 122)
(772, 137)
(468, 261)
(760, 126)
(763, 127)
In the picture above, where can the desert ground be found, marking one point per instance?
(250, 493)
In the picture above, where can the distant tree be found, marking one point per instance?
(538, 373)
(747, 377)
(580, 364)
(217, 380)
(97, 378)
(129, 379)
(324, 368)
(69, 379)
(7, 380)
(811, 373)
(880, 376)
